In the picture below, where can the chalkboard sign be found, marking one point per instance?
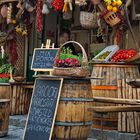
(43, 59)
(43, 108)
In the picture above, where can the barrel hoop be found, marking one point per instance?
(115, 65)
(73, 123)
(76, 99)
(104, 87)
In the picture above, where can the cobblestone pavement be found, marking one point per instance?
(15, 133)
(17, 124)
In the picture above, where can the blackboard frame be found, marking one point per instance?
(61, 82)
(43, 69)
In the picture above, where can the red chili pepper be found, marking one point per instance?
(58, 5)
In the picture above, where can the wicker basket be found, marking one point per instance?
(88, 19)
(73, 71)
(19, 78)
(112, 18)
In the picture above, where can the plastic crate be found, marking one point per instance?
(113, 49)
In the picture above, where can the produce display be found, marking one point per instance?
(67, 59)
(5, 68)
(104, 55)
(123, 55)
(113, 5)
(5, 72)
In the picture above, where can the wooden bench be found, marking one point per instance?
(131, 105)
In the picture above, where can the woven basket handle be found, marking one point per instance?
(85, 59)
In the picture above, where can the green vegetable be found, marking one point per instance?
(5, 68)
(67, 53)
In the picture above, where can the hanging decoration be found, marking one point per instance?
(29, 7)
(49, 3)
(110, 10)
(58, 5)
(67, 16)
(3, 11)
(9, 13)
(39, 16)
(67, 5)
(113, 5)
(45, 9)
(21, 29)
(21, 7)
(13, 51)
(80, 2)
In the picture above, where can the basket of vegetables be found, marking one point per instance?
(68, 64)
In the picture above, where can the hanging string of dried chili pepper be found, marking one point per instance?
(58, 5)
(39, 16)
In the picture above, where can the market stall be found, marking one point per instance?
(76, 51)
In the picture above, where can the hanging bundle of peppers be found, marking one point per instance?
(39, 16)
(58, 5)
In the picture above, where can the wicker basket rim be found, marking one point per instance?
(85, 59)
(68, 67)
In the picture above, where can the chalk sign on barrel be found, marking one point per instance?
(43, 108)
(43, 59)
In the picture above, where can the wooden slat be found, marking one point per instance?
(116, 101)
(104, 109)
(119, 97)
(104, 127)
(105, 119)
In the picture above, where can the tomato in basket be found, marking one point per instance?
(122, 55)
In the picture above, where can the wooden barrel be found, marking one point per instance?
(4, 116)
(108, 87)
(5, 91)
(73, 120)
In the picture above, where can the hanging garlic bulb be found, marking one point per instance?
(9, 13)
(45, 9)
(2, 51)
